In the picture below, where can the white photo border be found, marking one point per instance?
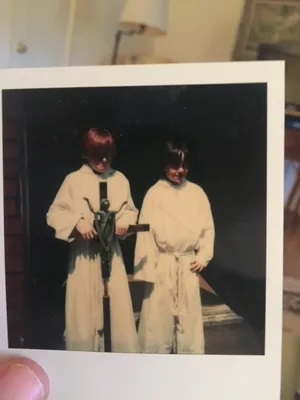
(76, 375)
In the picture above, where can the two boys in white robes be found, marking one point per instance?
(168, 258)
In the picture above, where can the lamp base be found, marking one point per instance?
(141, 29)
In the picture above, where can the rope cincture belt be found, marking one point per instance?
(179, 271)
(178, 294)
(177, 254)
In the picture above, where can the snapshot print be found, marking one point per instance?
(135, 218)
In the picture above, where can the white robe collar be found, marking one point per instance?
(86, 169)
(168, 185)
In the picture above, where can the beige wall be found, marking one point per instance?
(4, 32)
(201, 30)
(198, 31)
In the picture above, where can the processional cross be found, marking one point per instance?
(104, 224)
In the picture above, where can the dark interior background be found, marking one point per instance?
(225, 126)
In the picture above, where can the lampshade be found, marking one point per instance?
(153, 14)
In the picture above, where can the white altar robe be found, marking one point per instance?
(84, 290)
(181, 231)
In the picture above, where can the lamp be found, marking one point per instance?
(148, 17)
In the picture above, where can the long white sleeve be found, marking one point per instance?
(146, 251)
(205, 245)
(129, 213)
(61, 216)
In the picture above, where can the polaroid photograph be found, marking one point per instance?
(142, 228)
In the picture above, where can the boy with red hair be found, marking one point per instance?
(72, 220)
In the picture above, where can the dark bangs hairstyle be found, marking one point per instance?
(175, 154)
(98, 143)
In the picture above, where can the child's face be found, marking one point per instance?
(176, 174)
(100, 163)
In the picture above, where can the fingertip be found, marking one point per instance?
(39, 372)
(11, 373)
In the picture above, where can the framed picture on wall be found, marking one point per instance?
(266, 21)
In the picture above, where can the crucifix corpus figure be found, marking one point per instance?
(96, 270)
(104, 224)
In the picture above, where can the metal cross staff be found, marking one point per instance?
(104, 223)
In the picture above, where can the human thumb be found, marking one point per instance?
(22, 379)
